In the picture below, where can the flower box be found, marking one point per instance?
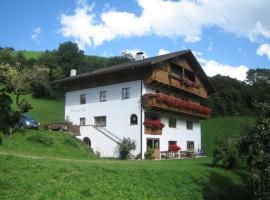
(152, 131)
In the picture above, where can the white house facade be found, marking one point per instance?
(154, 101)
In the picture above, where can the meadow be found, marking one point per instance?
(37, 164)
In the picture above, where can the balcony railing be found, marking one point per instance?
(165, 78)
(169, 103)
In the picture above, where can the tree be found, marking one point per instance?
(255, 147)
(8, 118)
(69, 56)
(126, 146)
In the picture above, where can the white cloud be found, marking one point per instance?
(185, 18)
(35, 33)
(162, 52)
(264, 49)
(212, 68)
(133, 52)
(210, 47)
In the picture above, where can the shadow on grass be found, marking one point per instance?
(222, 187)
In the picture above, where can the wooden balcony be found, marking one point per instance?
(152, 131)
(172, 104)
(165, 79)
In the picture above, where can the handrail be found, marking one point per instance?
(107, 134)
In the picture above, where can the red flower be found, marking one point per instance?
(153, 123)
(174, 147)
(177, 102)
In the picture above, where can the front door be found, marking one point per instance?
(154, 143)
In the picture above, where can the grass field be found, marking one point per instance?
(26, 178)
(28, 54)
(223, 127)
(45, 110)
(46, 143)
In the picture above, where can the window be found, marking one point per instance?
(190, 144)
(133, 119)
(102, 96)
(152, 143)
(87, 141)
(82, 121)
(190, 125)
(172, 122)
(176, 70)
(189, 75)
(125, 93)
(100, 121)
(82, 99)
(172, 142)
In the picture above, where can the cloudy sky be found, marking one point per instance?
(228, 37)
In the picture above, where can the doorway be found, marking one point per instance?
(154, 143)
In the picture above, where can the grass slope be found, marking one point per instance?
(223, 127)
(23, 178)
(46, 143)
(28, 54)
(45, 110)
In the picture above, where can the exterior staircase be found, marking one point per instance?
(108, 134)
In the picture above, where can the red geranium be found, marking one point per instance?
(153, 123)
(174, 147)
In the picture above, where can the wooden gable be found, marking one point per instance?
(178, 74)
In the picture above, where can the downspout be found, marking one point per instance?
(141, 120)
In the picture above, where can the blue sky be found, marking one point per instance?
(228, 37)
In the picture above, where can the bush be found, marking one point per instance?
(226, 154)
(255, 148)
(41, 139)
(149, 154)
(126, 146)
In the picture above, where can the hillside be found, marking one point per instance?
(45, 110)
(28, 54)
(32, 178)
(223, 127)
(46, 143)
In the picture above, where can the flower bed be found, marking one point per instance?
(174, 147)
(177, 102)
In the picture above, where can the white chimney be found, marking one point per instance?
(73, 72)
(139, 56)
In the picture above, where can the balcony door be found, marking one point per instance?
(154, 143)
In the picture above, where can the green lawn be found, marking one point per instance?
(45, 110)
(223, 127)
(25, 178)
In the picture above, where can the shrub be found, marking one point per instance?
(226, 154)
(126, 146)
(255, 148)
(41, 139)
(149, 154)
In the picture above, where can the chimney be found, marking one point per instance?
(139, 56)
(73, 72)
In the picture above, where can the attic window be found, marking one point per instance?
(176, 70)
(190, 75)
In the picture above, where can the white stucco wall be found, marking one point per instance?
(116, 110)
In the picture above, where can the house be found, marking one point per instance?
(154, 101)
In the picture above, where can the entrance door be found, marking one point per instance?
(153, 143)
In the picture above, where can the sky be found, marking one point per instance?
(227, 37)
